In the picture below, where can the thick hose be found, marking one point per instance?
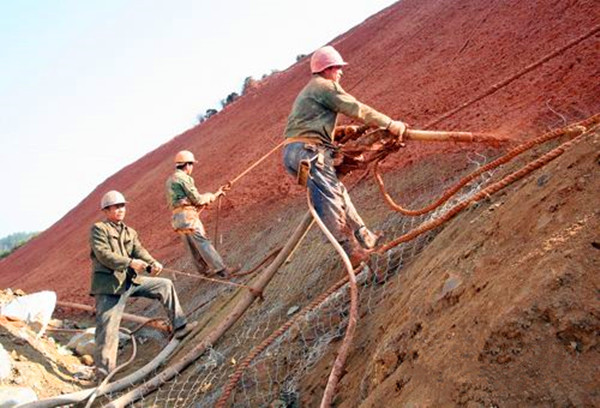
(343, 351)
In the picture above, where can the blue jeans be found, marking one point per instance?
(327, 193)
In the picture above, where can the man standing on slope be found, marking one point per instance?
(183, 198)
(309, 150)
(118, 261)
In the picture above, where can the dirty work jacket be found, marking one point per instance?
(180, 186)
(314, 113)
(113, 246)
(183, 198)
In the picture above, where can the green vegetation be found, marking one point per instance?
(11, 242)
(249, 84)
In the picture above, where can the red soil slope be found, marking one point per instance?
(415, 60)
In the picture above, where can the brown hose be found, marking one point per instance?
(486, 192)
(570, 131)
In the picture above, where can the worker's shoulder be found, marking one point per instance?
(100, 226)
(107, 227)
(180, 176)
(319, 84)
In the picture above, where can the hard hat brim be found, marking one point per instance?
(119, 202)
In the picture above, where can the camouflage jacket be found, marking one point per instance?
(315, 111)
(180, 187)
(113, 246)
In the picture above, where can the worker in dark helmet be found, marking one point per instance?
(185, 201)
(310, 148)
(119, 262)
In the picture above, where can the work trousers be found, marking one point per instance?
(203, 252)
(328, 194)
(187, 222)
(109, 310)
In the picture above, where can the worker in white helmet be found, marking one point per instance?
(119, 262)
(185, 201)
(310, 148)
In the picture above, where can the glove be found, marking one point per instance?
(351, 130)
(397, 128)
(138, 265)
(156, 268)
(211, 198)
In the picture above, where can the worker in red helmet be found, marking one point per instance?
(309, 150)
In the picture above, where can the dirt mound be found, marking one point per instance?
(42, 363)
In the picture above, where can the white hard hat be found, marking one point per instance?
(324, 58)
(184, 156)
(111, 198)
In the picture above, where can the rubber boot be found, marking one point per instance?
(228, 272)
(182, 331)
(355, 252)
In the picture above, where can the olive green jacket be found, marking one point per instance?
(181, 187)
(315, 111)
(113, 246)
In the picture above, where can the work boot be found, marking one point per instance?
(355, 252)
(182, 331)
(366, 238)
(357, 256)
(228, 272)
(99, 375)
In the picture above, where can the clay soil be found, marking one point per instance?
(505, 312)
(502, 308)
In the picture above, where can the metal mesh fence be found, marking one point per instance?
(277, 377)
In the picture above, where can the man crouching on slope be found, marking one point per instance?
(185, 201)
(310, 149)
(118, 262)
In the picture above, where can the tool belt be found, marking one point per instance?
(184, 208)
(304, 166)
(302, 139)
(183, 202)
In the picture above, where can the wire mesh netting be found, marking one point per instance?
(277, 376)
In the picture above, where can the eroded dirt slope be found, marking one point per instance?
(502, 309)
(414, 60)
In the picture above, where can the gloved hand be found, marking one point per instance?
(138, 265)
(397, 128)
(156, 268)
(223, 189)
(211, 198)
(351, 130)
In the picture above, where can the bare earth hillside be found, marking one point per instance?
(501, 308)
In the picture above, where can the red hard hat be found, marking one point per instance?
(324, 58)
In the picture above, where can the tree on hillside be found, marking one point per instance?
(249, 84)
(209, 112)
(11, 242)
(230, 98)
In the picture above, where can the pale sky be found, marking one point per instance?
(88, 87)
